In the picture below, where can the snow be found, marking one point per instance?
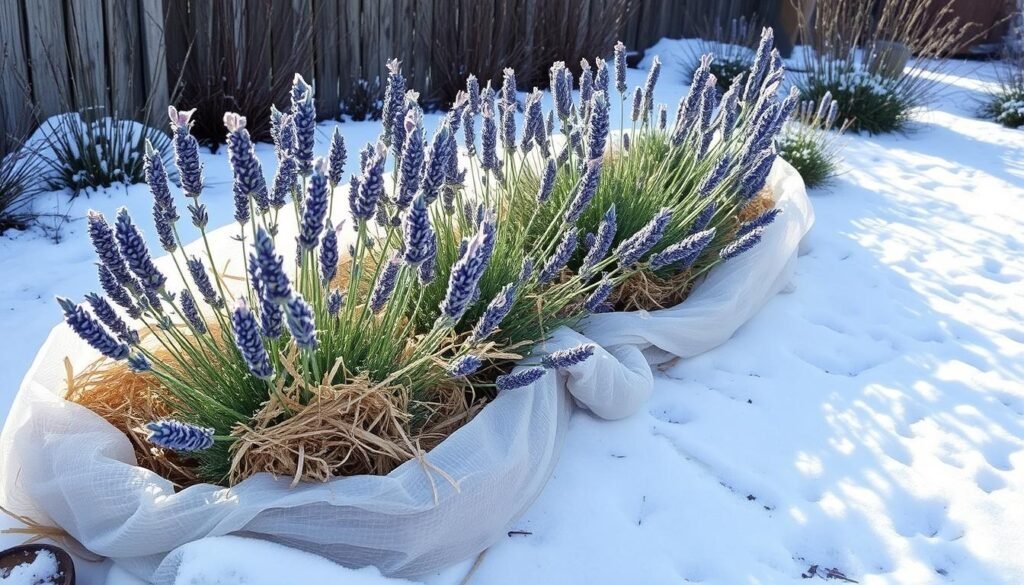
(42, 570)
(870, 421)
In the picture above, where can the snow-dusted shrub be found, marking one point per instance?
(810, 140)
(1006, 104)
(19, 182)
(856, 47)
(455, 268)
(91, 150)
(364, 101)
(732, 45)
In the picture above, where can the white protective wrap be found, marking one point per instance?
(61, 464)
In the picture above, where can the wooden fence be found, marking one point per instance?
(120, 55)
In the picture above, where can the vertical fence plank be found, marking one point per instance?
(88, 55)
(13, 111)
(353, 47)
(154, 61)
(423, 46)
(48, 56)
(325, 65)
(123, 52)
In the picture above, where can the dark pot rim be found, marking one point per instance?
(65, 564)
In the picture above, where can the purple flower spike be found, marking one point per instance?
(300, 322)
(648, 96)
(585, 191)
(760, 66)
(760, 221)
(464, 366)
(91, 331)
(136, 254)
(467, 271)
(597, 133)
(420, 240)
(436, 165)
(335, 301)
(314, 208)
(496, 312)
(336, 158)
(561, 87)
(683, 254)
(117, 293)
(284, 182)
(109, 317)
(561, 256)
(547, 182)
(602, 242)
(186, 152)
(519, 379)
(304, 120)
(138, 363)
(410, 171)
(596, 301)
(247, 170)
(203, 284)
(249, 341)
(639, 244)
(742, 244)
(191, 312)
(329, 254)
(567, 358)
(105, 244)
(164, 229)
(385, 285)
(620, 67)
(271, 265)
(179, 436)
(156, 178)
(393, 111)
(371, 188)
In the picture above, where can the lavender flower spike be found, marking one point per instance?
(496, 312)
(109, 317)
(300, 322)
(602, 242)
(335, 301)
(467, 271)
(385, 285)
(314, 209)
(561, 256)
(595, 302)
(248, 172)
(518, 379)
(597, 133)
(410, 170)
(191, 312)
(138, 363)
(760, 221)
(652, 80)
(742, 244)
(329, 254)
(164, 229)
(336, 158)
(203, 284)
(304, 121)
(105, 244)
(284, 181)
(566, 358)
(186, 152)
(278, 288)
(249, 342)
(371, 187)
(682, 254)
(561, 87)
(156, 178)
(761, 59)
(547, 182)
(585, 191)
(636, 246)
(464, 366)
(393, 112)
(117, 293)
(620, 67)
(136, 254)
(91, 331)
(420, 240)
(179, 436)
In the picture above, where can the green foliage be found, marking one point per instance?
(810, 141)
(1006, 105)
(873, 103)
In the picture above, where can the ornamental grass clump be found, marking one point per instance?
(810, 141)
(733, 45)
(1006, 104)
(881, 61)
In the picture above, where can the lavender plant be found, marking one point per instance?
(810, 140)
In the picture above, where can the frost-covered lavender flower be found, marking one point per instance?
(277, 286)
(385, 285)
(301, 325)
(742, 244)
(489, 143)
(410, 170)
(247, 170)
(639, 244)
(473, 93)
(495, 312)
(420, 240)
(393, 111)
(371, 188)
(518, 379)
(425, 274)
(567, 358)
(597, 131)
(705, 129)
(241, 206)
(561, 88)
(687, 110)
(602, 242)
(547, 182)
(271, 312)
(191, 312)
(652, 79)
(586, 83)
(314, 208)
(464, 366)
(755, 178)
(469, 131)
(116, 292)
(329, 254)
(109, 317)
(760, 66)
(585, 191)
(703, 219)
(601, 76)
(304, 120)
(202, 281)
(760, 221)
(91, 331)
(164, 229)
(468, 269)
(199, 215)
(138, 363)
(560, 257)
(508, 126)
(638, 102)
(179, 436)
(136, 254)
(285, 143)
(105, 244)
(436, 164)
(336, 158)
(662, 117)
(335, 300)
(284, 181)
(595, 302)
(186, 152)
(156, 178)
(682, 254)
(533, 126)
(620, 67)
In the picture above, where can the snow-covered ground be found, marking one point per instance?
(869, 421)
